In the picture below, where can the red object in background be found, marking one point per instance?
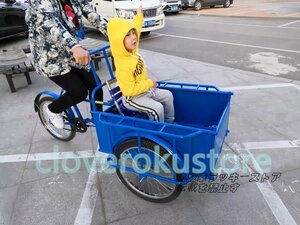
(69, 12)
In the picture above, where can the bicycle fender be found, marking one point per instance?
(53, 95)
(37, 98)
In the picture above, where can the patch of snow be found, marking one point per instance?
(268, 62)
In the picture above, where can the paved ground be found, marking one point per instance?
(264, 126)
(264, 120)
(263, 45)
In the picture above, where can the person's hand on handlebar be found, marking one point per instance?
(81, 56)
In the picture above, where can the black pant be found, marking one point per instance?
(77, 84)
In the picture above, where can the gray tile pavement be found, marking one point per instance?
(53, 200)
(14, 177)
(8, 196)
(288, 160)
(21, 128)
(240, 207)
(288, 190)
(259, 115)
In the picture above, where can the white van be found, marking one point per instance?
(172, 6)
(154, 17)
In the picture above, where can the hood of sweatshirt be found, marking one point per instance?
(117, 30)
(131, 72)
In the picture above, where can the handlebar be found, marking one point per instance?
(97, 50)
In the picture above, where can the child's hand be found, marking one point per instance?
(139, 10)
(154, 84)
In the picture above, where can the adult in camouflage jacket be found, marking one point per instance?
(57, 53)
(52, 34)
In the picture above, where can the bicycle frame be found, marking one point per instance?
(74, 111)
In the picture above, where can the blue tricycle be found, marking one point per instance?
(154, 160)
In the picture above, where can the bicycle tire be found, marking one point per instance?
(149, 145)
(67, 133)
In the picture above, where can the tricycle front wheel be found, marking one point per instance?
(146, 186)
(67, 133)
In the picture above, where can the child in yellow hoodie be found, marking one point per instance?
(139, 92)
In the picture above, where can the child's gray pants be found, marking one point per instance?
(157, 103)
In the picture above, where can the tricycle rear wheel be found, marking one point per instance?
(147, 187)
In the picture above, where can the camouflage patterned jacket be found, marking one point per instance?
(52, 34)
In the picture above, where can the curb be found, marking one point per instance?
(262, 17)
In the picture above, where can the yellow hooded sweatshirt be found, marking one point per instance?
(131, 72)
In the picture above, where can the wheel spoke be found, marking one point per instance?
(164, 185)
(148, 186)
(166, 189)
(151, 183)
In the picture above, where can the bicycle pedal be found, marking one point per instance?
(80, 125)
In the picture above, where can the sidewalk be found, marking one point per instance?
(253, 8)
(30, 197)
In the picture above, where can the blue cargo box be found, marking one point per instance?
(201, 115)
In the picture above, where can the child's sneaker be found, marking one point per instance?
(55, 118)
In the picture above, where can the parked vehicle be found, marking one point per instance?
(25, 2)
(154, 17)
(12, 18)
(172, 6)
(198, 4)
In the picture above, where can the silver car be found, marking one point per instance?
(198, 4)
